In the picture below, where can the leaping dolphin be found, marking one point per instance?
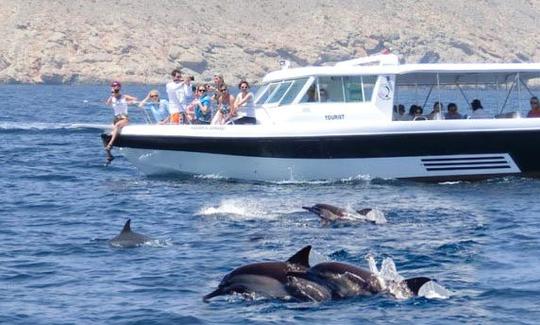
(128, 238)
(346, 281)
(269, 279)
(330, 213)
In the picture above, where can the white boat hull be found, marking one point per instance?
(161, 162)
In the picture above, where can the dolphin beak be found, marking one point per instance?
(312, 209)
(215, 293)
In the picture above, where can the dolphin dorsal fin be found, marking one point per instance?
(127, 226)
(301, 257)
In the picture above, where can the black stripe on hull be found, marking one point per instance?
(522, 145)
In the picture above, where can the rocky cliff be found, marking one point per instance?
(141, 40)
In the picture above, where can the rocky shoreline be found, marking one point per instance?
(140, 41)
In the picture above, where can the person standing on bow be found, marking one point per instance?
(119, 104)
(244, 106)
(184, 93)
(174, 104)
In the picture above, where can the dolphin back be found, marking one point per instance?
(414, 284)
(128, 238)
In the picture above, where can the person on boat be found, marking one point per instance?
(225, 104)
(174, 104)
(158, 108)
(213, 91)
(311, 94)
(452, 113)
(399, 113)
(535, 107)
(418, 111)
(244, 106)
(478, 110)
(184, 93)
(203, 113)
(119, 104)
(323, 95)
(436, 113)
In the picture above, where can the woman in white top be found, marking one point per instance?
(244, 106)
(119, 103)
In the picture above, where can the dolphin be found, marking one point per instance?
(330, 213)
(269, 279)
(128, 238)
(346, 281)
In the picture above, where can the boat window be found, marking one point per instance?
(358, 88)
(262, 89)
(279, 92)
(369, 84)
(293, 91)
(331, 89)
(267, 91)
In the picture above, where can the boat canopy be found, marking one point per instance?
(422, 74)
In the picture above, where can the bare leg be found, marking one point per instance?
(114, 134)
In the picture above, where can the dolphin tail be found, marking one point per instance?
(127, 226)
(301, 257)
(414, 284)
(215, 293)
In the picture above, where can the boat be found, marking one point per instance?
(336, 122)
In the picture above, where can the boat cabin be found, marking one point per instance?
(369, 90)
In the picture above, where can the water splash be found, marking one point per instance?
(236, 209)
(392, 282)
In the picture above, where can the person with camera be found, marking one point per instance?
(184, 93)
(119, 104)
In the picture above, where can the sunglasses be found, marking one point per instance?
(534, 103)
(203, 90)
(243, 87)
(154, 96)
(223, 89)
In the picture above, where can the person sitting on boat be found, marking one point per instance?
(225, 104)
(203, 113)
(478, 110)
(312, 94)
(323, 95)
(399, 113)
(243, 105)
(452, 113)
(418, 114)
(535, 107)
(174, 104)
(436, 113)
(158, 108)
(119, 104)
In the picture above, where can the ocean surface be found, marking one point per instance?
(59, 205)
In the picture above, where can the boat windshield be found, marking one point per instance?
(280, 93)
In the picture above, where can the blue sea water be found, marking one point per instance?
(59, 205)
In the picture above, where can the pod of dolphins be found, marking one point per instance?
(294, 279)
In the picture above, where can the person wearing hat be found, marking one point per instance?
(478, 110)
(119, 104)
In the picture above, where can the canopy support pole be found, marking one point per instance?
(507, 96)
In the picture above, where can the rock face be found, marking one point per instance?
(142, 40)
